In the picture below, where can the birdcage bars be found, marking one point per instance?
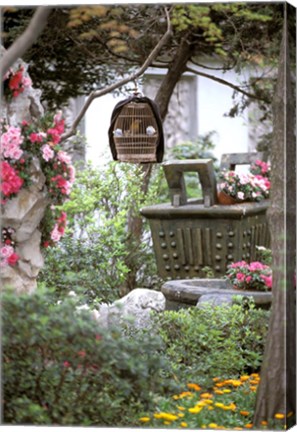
(136, 133)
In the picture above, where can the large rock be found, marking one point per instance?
(24, 212)
(137, 305)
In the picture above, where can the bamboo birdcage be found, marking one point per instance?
(136, 131)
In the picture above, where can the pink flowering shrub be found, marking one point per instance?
(19, 145)
(244, 186)
(254, 276)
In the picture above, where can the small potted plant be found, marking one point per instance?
(254, 276)
(237, 187)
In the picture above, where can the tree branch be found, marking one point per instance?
(26, 40)
(227, 83)
(98, 93)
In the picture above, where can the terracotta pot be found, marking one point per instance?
(226, 199)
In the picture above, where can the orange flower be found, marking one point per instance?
(220, 384)
(219, 392)
(253, 388)
(206, 395)
(216, 379)
(244, 413)
(264, 423)
(193, 386)
(248, 425)
(244, 378)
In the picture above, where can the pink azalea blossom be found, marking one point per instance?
(55, 234)
(267, 280)
(64, 157)
(6, 251)
(36, 137)
(10, 142)
(47, 152)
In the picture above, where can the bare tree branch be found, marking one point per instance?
(98, 93)
(26, 40)
(227, 83)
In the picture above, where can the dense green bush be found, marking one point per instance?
(60, 368)
(213, 341)
(99, 250)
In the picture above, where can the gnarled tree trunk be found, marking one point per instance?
(277, 392)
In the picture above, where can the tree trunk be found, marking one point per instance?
(175, 71)
(277, 392)
(135, 223)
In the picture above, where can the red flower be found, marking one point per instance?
(81, 354)
(66, 364)
(13, 259)
(16, 80)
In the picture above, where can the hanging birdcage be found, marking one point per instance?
(136, 133)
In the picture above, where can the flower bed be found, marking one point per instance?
(229, 404)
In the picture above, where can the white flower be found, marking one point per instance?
(240, 195)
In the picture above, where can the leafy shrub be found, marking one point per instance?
(213, 341)
(60, 368)
(99, 251)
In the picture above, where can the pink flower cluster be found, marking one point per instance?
(17, 82)
(261, 168)
(254, 276)
(59, 228)
(11, 142)
(244, 186)
(11, 182)
(7, 252)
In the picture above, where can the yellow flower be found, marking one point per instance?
(279, 416)
(166, 422)
(227, 391)
(231, 407)
(248, 425)
(193, 386)
(180, 415)
(165, 416)
(236, 383)
(255, 375)
(254, 382)
(253, 388)
(219, 404)
(244, 413)
(184, 424)
(213, 425)
(210, 408)
(195, 410)
(208, 401)
(181, 408)
(219, 392)
(237, 428)
(144, 419)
